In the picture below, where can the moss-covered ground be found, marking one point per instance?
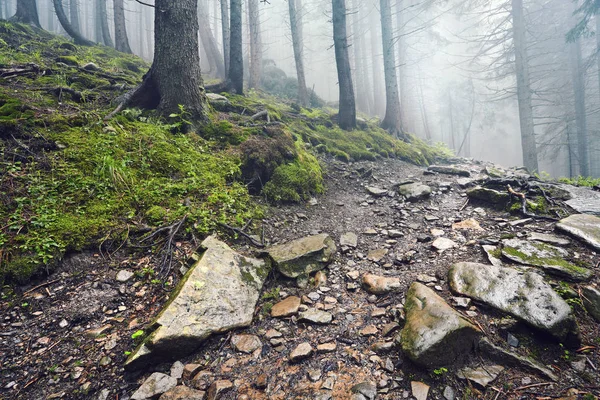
(71, 179)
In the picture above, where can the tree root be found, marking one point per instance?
(255, 243)
(524, 210)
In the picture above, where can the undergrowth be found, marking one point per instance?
(72, 180)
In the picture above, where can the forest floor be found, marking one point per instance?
(89, 192)
(66, 336)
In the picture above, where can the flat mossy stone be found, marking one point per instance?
(524, 295)
(435, 334)
(303, 256)
(545, 256)
(494, 197)
(584, 227)
(218, 294)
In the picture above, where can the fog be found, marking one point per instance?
(455, 62)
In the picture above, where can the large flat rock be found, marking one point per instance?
(523, 295)
(303, 256)
(583, 200)
(218, 294)
(434, 334)
(545, 256)
(584, 227)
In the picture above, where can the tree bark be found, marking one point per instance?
(579, 103)
(27, 13)
(74, 15)
(174, 78)
(64, 22)
(215, 59)
(392, 122)
(255, 44)
(121, 39)
(297, 45)
(523, 88)
(236, 55)
(225, 33)
(104, 23)
(347, 108)
(407, 122)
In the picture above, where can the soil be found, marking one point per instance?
(47, 349)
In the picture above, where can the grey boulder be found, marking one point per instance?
(584, 227)
(154, 386)
(302, 256)
(523, 295)
(218, 294)
(415, 191)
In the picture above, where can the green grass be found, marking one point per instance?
(587, 181)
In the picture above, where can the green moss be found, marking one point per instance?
(544, 261)
(69, 60)
(297, 180)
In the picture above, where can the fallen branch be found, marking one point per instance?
(40, 286)
(260, 114)
(533, 385)
(524, 205)
(252, 240)
(10, 72)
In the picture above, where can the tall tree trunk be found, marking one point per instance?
(407, 122)
(74, 15)
(174, 78)
(103, 15)
(595, 157)
(225, 32)
(215, 59)
(579, 103)
(362, 103)
(64, 22)
(392, 121)
(378, 104)
(121, 40)
(523, 88)
(27, 13)
(297, 45)
(347, 109)
(255, 44)
(236, 55)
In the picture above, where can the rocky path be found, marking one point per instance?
(481, 320)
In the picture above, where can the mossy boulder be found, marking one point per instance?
(303, 256)
(493, 197)
(524, 295)
(434, 335)
(545, 256)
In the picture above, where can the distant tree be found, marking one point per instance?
(225, 33)
(64, 22)
(27, 13)
(74, 15)
(297, 44)
(121, 39)
(255, 44)
(347, 107)
(528, 143)
(215, 59)
(236, 56)
(392, 122)
(102, 20)
(174, 79)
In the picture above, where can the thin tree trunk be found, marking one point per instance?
(225, 33)
(523, 88)
(402, 79)
(379, 106)
(297, 45)
(236, 55)
(104, 23)
(579, 103)
(175, 78)
(362, 103)
(347, 108)
(121, 39)
(64, 22)
(98, 22)
(27, 13)
(215, 59)
(392, 122)
(255, 44)
(74, 15)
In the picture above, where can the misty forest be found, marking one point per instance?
(299, 199)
